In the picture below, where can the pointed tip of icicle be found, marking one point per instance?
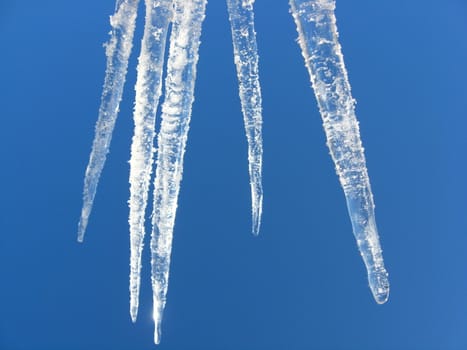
(81, 231)
(379, 285)
(157, 333)
(82, 224)
(255, 227)
(133, 317)
(256, 220)
(133, 309)
(157, 317)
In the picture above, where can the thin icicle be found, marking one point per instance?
(148, 92)
(176, 113)
(246, 60)
(118, 49)
(318, 38)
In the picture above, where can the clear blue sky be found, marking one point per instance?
(301, 284)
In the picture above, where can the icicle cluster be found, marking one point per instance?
(185, 18)
(318, 38)
(148, 91)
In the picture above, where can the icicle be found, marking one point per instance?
(176, 113)
(148, 92)
(118, 50)
(246, 60)
(318, 38)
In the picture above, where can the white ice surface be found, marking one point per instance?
(318, 39)
(241, 17)
(148, 91)
(172, 137)
(118, 50)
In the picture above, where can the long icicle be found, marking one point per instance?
(148, 92)
(241, 17)
(318, 38)
(176, 113)
(118, 50)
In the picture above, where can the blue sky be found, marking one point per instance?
(301, 284)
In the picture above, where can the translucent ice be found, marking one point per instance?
(318, 39)
(176, 114)
(118, 50)
(148, 91)
(241, 17)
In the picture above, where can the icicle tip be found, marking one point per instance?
(134, 314)
(81, 231)
(256, 223)
(157, 329)
(379, 285)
